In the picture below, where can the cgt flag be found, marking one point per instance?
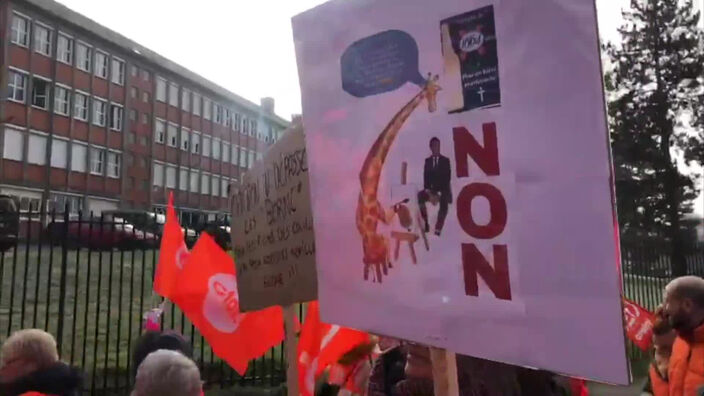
(172, 254)
(206, 292)
(639, 324)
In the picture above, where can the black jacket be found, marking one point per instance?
(437, 178)
(59, 379)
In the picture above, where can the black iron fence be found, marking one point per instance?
(88, 280)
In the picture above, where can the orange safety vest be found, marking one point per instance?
(686, 371)
(659, 385)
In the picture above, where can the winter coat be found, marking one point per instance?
(59, 379)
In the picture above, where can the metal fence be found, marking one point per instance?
(88, 280)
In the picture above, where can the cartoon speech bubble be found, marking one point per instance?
(380, 63)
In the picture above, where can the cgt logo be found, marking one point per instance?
(471, 41)
(182, 256)
(221, 306)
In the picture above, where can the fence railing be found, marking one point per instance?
(88, 280)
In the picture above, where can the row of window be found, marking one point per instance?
(41, 87)
(101, 161)
(96, 61)
(170, 176)
(202, 144)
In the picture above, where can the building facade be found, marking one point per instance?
(95, 121)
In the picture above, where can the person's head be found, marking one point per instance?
(152, 341)
(26, 351)
(684, 303)
(435, 146)
(166, 372)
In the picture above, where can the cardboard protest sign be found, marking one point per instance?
(272, 228)
(460, 178)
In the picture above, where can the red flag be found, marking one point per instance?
(206, 292)
(172, 254)
(320, 345)
(639, 324)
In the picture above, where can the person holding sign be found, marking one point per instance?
(663, 338)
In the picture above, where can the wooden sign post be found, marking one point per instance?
(291, 345)
(444, 372)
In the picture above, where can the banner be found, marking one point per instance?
(460, 178)
(272, 228)
(639, 324)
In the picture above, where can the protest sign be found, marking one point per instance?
(461, 178)
(272, 228)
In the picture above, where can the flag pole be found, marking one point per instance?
(291, 345)
(444, 372)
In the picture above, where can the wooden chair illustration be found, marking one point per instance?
(406, 220)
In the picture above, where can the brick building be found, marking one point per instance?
(96, 121)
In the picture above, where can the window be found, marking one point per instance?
(134, 92)
(205, 184)
(59, 153)
(143, 141)
(62, 101)
(145, 97)
(83, 57)
(236, 124)
(101, 64)
(223, 187)
(20, 30)
(118, 71)
(114, 164)
(130, 138)
(116, 113)
(160, 89)
(158, 177)
(186, 100)
(78, 157)
(183, 179)
(134, 71)
(193, 182)
(245, 125)
(195, 143)
(64, 49)
(159, 131)
(206, 146)
(145, 75)
(42, 39)
(97, 160)
(228, 117)
(243, 158)
(251, 158)
(216, 149)
(233, 157)
(215, 190)
(145, 118)
(207, 107)
(196, 104)
(40, 93)
(170, 176)
(259, 156)
(253, 128)
(185, 139)
(16, 86)
(172, 135)
(80, 106)
(225, 152)
(173, 94)
(13, 144)
(218, 114)
(129, 159)
(100, 108)
(133, 115)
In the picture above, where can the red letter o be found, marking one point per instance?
(497, 210)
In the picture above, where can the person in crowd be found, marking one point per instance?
(684, 309)
(663, 338)
(167, 372)
(30, 363)
(151, 341)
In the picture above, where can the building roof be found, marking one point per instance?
(89, 25)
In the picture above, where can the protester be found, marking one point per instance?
(663, 338)
(167, 372)
(684, 308)
(152, 341)
(30, 363)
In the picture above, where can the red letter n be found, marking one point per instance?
(487, 156)
(474, 263)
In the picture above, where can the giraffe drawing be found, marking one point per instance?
(369, 210)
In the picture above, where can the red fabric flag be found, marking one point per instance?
(320, 345)
(206, 292)
(173, 253)
(639, 324)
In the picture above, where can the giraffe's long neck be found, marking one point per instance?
(371, 169)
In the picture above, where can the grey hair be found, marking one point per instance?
(33, 345)
(166, 372)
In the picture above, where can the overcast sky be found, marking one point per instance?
(245, 46)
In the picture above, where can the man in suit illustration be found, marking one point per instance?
(436, 184)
